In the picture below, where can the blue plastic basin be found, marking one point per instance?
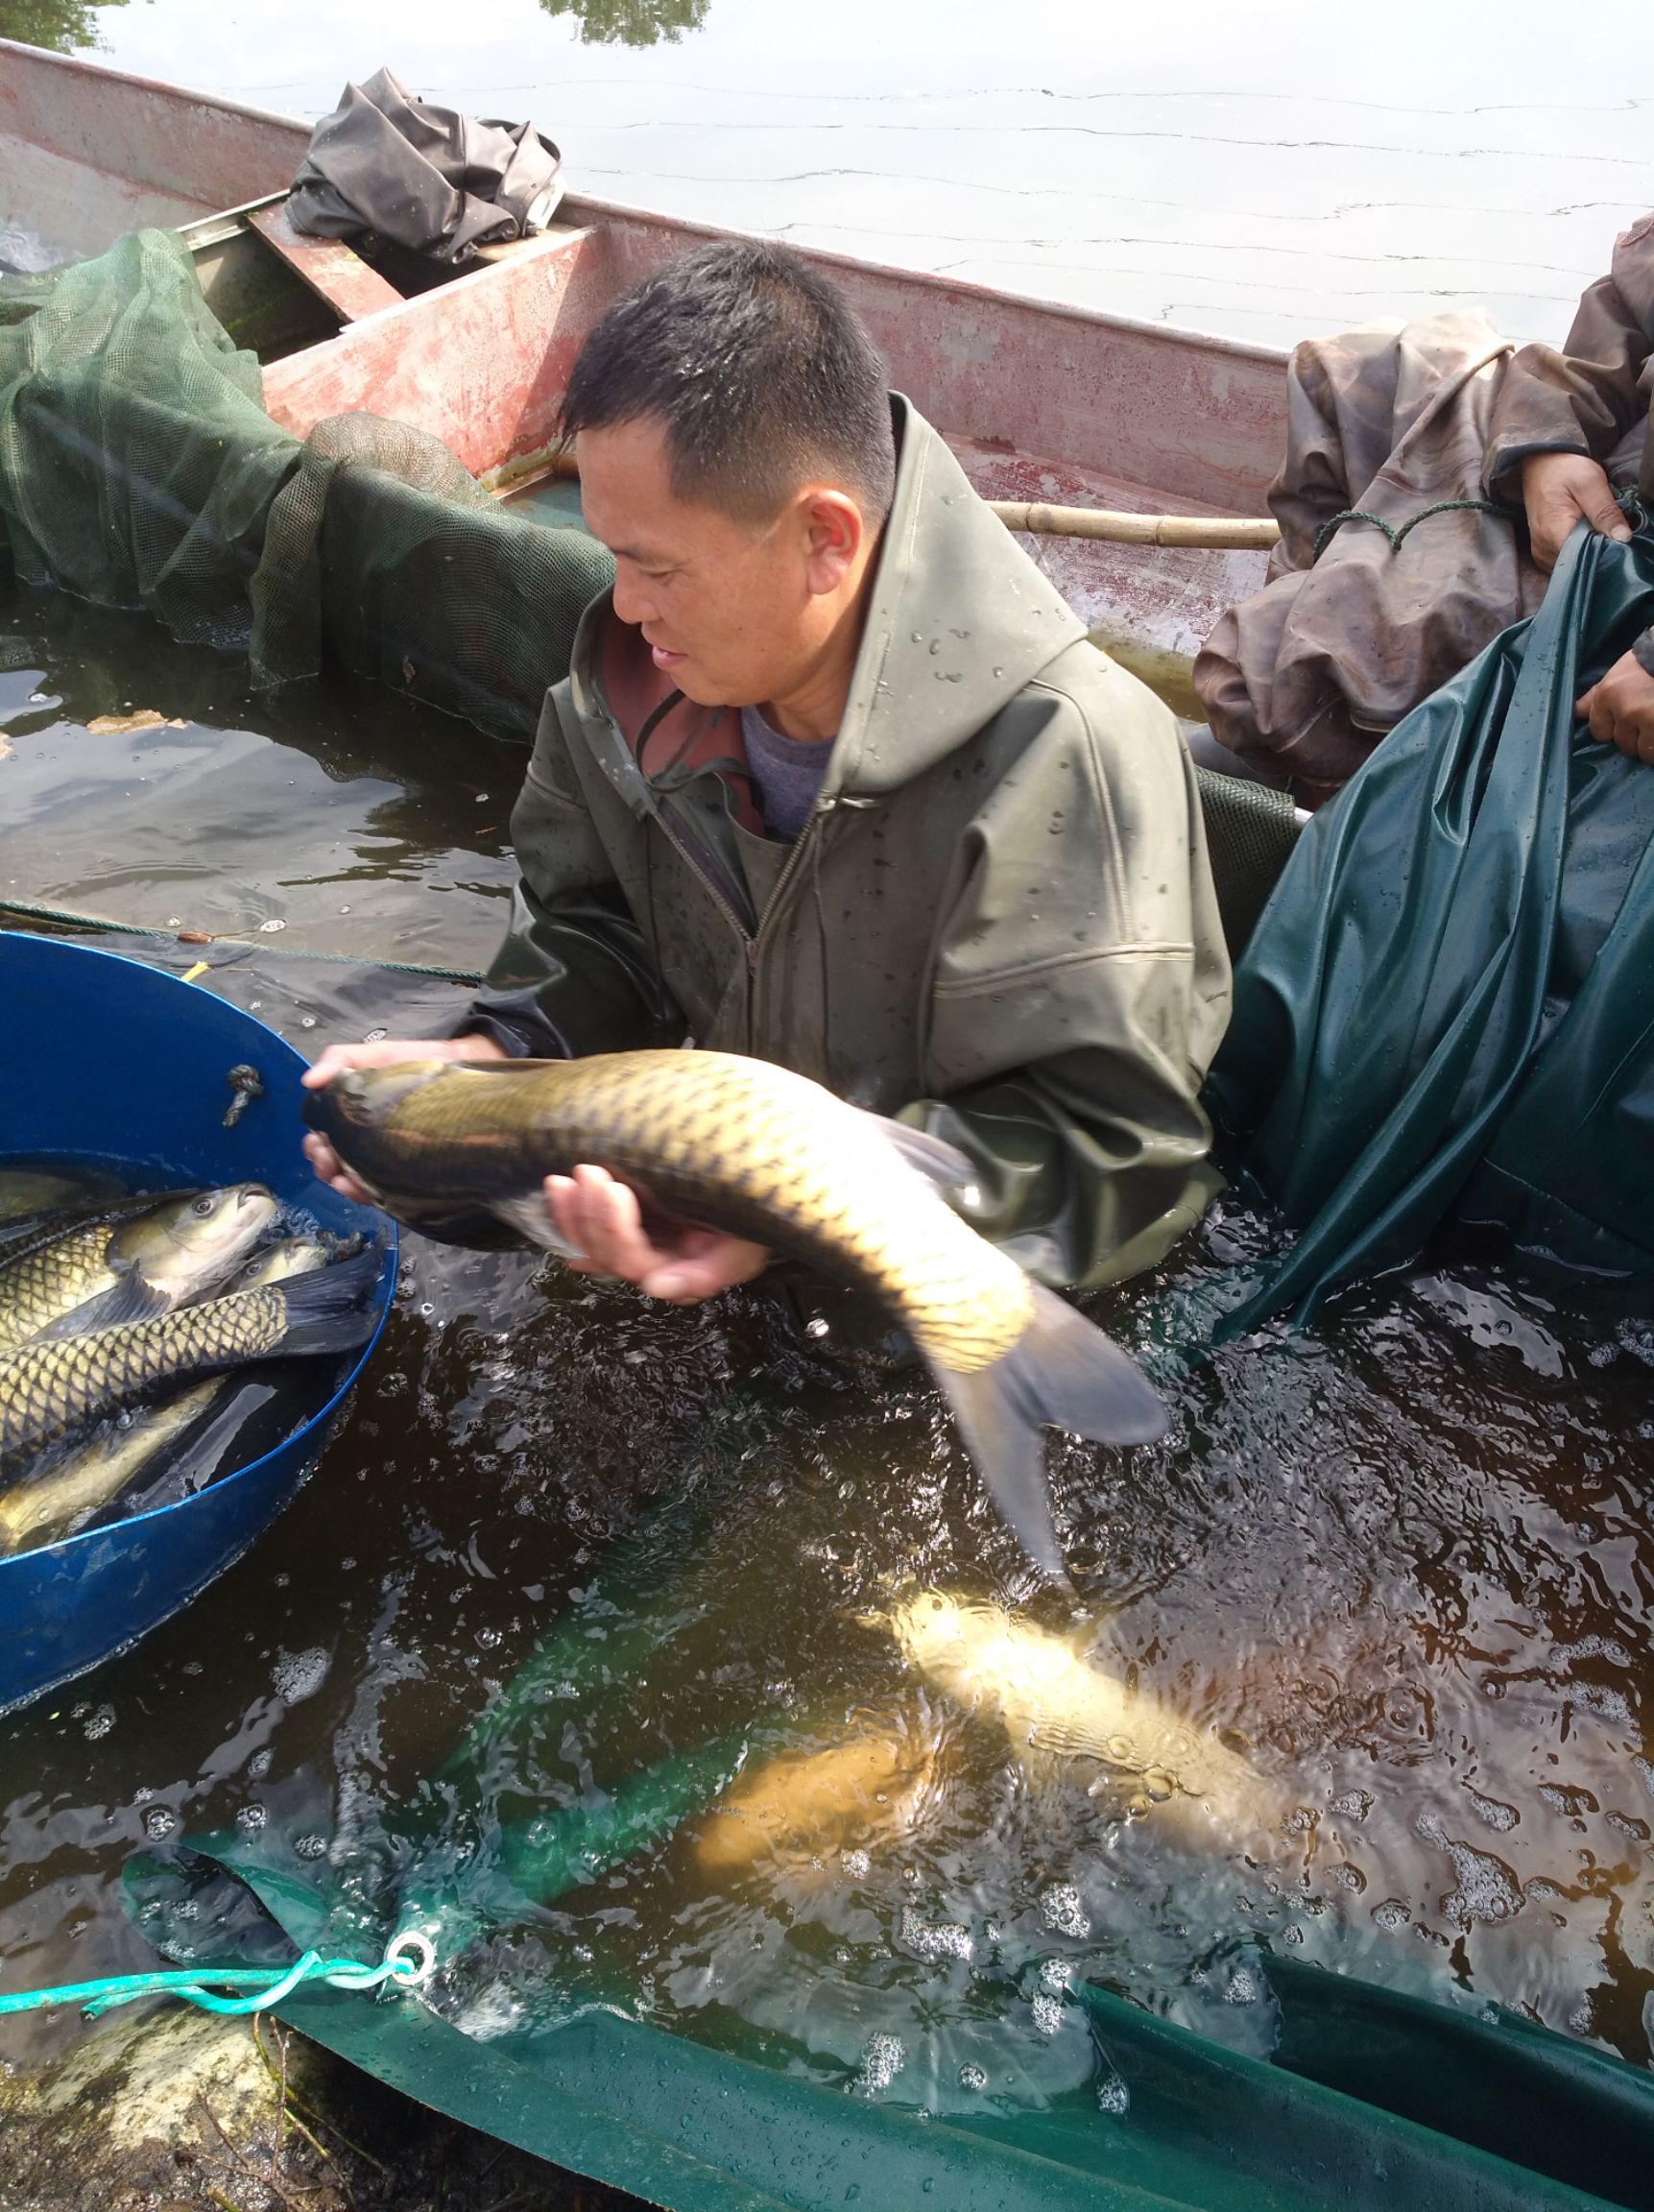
(103, 1060)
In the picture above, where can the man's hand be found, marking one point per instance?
(601, 1218)
(1620, 709)
(384, 1052)
(1557, 489)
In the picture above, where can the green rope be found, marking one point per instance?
(68, 919)
(1398, 537)
(407, 1963)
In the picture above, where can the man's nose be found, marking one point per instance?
(633, 603)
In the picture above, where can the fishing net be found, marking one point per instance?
(138, 468)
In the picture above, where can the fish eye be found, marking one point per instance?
(203, 1206)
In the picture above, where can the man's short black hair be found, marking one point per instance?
(760, 372)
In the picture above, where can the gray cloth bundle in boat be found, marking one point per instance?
(428, 177)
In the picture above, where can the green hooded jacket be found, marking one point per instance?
(999, 922)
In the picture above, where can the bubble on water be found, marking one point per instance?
(100, 1722)
(250, 1820)
(260, 1765)
(1392, 1914)
(1354, 1804)
(489, 1637)
(1063, 1912)
(426, 1310)
(857, 1865)
(1497, 1814)
(1114, 2097)
(1047, 2013)
(299, 1675)
(271, 928)
(159, 1823)
(1487, 1891)
(934, 1940)
(1056, 1974)
(882, 2059)
(1645, 1768)
(307, 1020)
(310, 1846)
(972, 2075)
(1246, 1984)
(374, 1036)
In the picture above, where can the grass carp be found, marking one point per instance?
(93, 1475)
(124, 1266)
(1051, 1700)
(747, 1147)
(52, 1390)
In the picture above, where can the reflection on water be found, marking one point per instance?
(65, 26)
(336, 818)
(631, 22)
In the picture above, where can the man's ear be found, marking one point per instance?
(834, 532)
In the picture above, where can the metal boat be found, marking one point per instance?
(1040, 402)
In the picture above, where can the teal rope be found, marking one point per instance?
(1398, 537)
(95, 921)
(262, 1986)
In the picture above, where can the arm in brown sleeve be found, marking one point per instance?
(1585, 397)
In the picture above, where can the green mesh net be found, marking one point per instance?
(138, 468)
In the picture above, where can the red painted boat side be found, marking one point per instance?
(1041, 400)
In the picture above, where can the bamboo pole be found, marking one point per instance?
(1219, 532)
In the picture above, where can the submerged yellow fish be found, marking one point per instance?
(819, 1801)
(1051, 1700)
(747, 1147)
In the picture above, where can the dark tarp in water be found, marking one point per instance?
(1448, 1005)
(1373, 2097)
(428, 177)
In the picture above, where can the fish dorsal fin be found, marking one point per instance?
(932, 1157)
(130, 1299)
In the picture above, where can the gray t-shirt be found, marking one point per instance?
(787, 773)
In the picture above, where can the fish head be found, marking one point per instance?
(365, 1097)
(935, 1630)
(190, 1244)
(283, 1262)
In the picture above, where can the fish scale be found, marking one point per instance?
(813, 1174)
(47, 1391)
(43, 1283)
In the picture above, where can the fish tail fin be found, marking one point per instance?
(333, 1309)
(1063, 1373)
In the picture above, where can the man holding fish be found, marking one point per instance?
(835, 784)
(834, 780)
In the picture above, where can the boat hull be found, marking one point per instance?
(1042, 401)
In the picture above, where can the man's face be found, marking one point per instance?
(736, 613)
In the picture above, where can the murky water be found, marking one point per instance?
(340, 820)
(1405, 1561)
(1266, 173)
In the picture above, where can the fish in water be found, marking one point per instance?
(118, 1266)
(872, 1783)
(1053, 1701)
(78, 1485)
(742, 1145)
(52, 1390)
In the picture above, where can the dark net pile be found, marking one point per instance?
(138, 468)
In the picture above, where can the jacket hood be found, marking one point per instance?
(959, 620)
